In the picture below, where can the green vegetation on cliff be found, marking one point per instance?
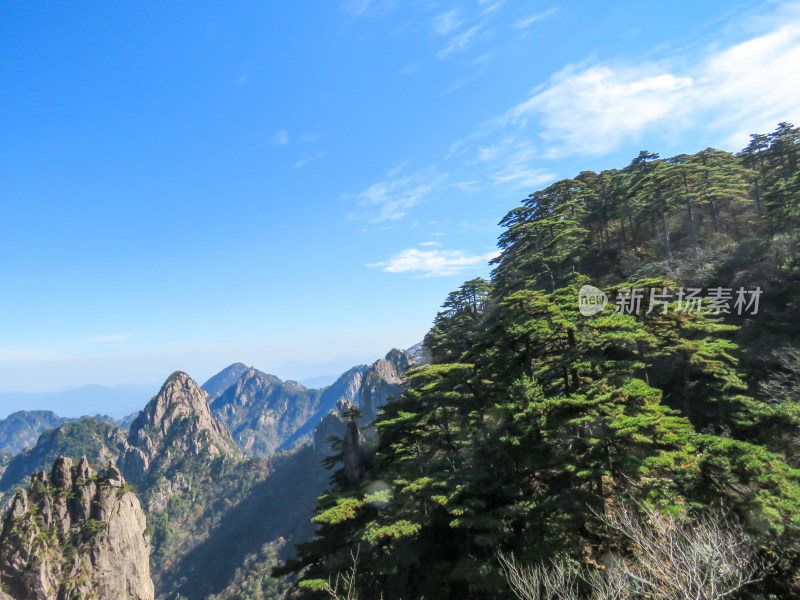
(536, 422)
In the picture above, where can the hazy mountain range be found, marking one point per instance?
(117, 401)
(221, 507)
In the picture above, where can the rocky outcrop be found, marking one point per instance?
(343, 390)
(220, 382)
(332, 426)
(378, 383)
(75, 535)
(384, 379)
(98, 440)
(175, 426)
(354, 455)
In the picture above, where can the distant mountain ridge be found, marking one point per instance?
(22, 428)
(220, 382)
(379, 382)
(262, 411)
(215, 517)
(117, 401)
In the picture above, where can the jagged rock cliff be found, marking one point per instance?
(383, 380)
(174, 438)
(175, 424)
(99, 441)
(379, 382)
(262, 411)
(75, 535)
(342, 392)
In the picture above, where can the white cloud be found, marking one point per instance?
(433, 263)
(361, 8)
(460, 42)
(446, 23)
(453, 88)
(355, 8)
(281, 137)
(430, 244)
(396, 169)
(389, 200)
(410, 69)
(307, 159)
(510, 163)
(592, 110)
(526, 22)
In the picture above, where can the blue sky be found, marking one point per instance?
(298, 185)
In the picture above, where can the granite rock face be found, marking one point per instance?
(176, 424)
(378, 383)
(384, 379)
(173, 440)
(75, 535)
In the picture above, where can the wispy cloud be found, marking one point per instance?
(410, 69)
(510, 162)
(446, 23)
(526, 22)
(308, 159)
(594, 109)
(459, 42)
(281, 137)
(433, 263)
(390, 200)
(362, 8)
(355, 8)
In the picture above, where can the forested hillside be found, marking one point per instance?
(546, 449)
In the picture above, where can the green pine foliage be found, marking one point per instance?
(533, 420)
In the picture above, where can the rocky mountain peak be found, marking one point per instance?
(262, 411)
(177, 423)
(75, 534)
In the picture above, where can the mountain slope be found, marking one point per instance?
(263, 411)
(22, 428)
(383, 380)
(251, 514)
(220, 382)
(377, 383)
(173, 435)
(345, 388)
(99, 441)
